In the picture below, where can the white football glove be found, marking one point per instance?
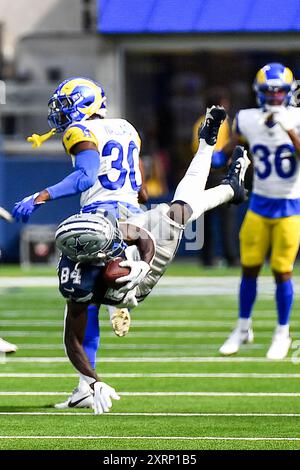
(103, 394)
(129, 300)
(138, 270)
(283, 117)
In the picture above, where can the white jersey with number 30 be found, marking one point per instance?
(119, 177)
(276, 165)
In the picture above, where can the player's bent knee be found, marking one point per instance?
(282, 277)
(251, 271)
(180, 212)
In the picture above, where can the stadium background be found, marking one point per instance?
(155, 66)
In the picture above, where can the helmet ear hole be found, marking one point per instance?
(87, 103)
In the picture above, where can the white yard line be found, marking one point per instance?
(140, 334)
(33, 334)
(55, 359)
(167, 394)
(21, 375)
(139, 346)
(168, 286)
(145, 323)
(178, 415)
(162, 375)
(156, 438)
(35, 281)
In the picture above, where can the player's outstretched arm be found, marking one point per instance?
(84, 177)
(75, 324)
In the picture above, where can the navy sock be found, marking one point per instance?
(284, 300)
(247, 296)
(92, 335)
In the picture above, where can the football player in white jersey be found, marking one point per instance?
(89, 241)
(107, 173)
(273, 218)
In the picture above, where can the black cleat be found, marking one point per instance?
(236, 174)
(210, 128)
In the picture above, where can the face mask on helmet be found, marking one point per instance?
(86, 238)
(75, 100)
(274, 85)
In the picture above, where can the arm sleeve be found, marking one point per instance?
(84, 177)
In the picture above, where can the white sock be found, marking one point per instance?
(244, 323)
(190, 189)
(214, 197)
(111, 310)
(82, 384)
(85, 378)
(283, 330)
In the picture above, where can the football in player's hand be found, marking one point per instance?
(113, 271)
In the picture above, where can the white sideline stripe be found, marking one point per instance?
(174, 359)
(165, 438)
(167, 394)
(179, 415)
(161, 375)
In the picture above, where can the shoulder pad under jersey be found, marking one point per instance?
(75, 134)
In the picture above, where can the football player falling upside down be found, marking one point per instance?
(107, 173)
(89, 241)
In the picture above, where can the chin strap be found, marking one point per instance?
(37, 140)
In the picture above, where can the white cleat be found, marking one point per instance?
(235, 340)
(78, 399)
(6, 347)
(121, 321)
(280, 346)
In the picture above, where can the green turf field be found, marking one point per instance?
(177, 393)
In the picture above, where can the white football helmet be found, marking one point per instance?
(89, 237)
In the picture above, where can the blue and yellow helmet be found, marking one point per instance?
(75, 99)
(274, 85)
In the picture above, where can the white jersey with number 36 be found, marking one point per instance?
(276, 165)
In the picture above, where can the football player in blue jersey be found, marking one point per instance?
(89, 241)
(107, 173)
(273, 219)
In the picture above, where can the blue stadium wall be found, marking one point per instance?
(21, 176)
(197, 16)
